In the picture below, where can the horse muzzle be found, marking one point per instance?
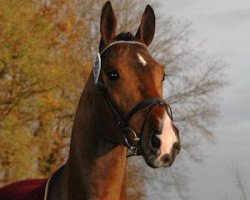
(162, 145)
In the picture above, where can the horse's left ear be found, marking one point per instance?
(146, 30)
(108, 23)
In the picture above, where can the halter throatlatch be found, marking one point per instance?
(123, 121)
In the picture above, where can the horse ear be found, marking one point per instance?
(146, 30)
(108, 23)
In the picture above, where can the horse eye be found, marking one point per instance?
(113, 75)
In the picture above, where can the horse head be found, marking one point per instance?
(131, 82)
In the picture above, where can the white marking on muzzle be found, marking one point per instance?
(167, 137)
(142, 60)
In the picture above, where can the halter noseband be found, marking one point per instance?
(123, 121)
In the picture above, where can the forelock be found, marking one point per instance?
(125, 36)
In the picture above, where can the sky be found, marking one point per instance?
(224, 28)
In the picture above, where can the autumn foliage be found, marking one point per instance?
(42, 72)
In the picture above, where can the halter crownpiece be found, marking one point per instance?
(98, 62)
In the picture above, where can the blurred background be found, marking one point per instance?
(46, 53)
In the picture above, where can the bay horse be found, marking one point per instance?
(121, 107)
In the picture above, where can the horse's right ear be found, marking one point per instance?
(108, 23)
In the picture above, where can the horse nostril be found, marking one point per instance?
(156, 143)
(176, 148)
(166, 158)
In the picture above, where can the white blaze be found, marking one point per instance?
(142, 60)
(167, 137)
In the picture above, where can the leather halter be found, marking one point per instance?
(122, 122)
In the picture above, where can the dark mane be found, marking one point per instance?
(126, 36)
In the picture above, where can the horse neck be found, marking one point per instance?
(95, 168)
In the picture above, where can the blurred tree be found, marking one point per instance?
(42, 73)
(239, 182)
(45, 59)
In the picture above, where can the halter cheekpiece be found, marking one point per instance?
(123, 121)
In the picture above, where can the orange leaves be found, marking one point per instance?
(43, 68)
(48, 99)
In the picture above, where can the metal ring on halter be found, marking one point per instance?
(126, 130)
(132, 148)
